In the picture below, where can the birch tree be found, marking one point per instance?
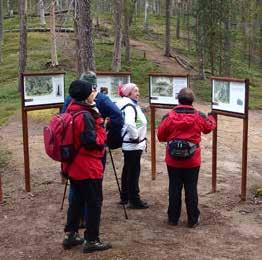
(42, 12)
(146, 16)
(54, 59)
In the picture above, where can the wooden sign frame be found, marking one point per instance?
(153, 108)
(24, 110)
(243, 116)
(164, 75)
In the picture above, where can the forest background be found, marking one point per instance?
(205, 37)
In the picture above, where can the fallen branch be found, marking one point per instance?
(62, 30)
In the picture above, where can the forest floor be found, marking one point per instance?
(31, 224)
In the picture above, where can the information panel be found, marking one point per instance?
(108, 83)
(43, 89)
(229, 96)
(164, 89)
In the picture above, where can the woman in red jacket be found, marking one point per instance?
(86, 170)
(182, 129)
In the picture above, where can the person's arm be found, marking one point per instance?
(163, 129)
(130, 121)
(108, 109)
(207, 123)
(92, 137)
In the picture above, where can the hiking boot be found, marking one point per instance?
(71, 240)
(195, 224)
(96, 245)
(139, 204)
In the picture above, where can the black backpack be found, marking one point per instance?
(114, 137)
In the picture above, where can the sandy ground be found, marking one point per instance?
(31, 224)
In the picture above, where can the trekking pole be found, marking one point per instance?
(114, 168)
(62, 205)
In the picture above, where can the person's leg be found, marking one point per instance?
(124, 179)
(83, 214)
(133, 175)
(94, 198)
(175, 192)
(191, 196)
(73, 216)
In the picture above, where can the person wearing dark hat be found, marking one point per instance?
(107, 109)
(181, 129)
(86, 170)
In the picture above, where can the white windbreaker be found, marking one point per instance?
(132, 128)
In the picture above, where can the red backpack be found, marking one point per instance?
(59, 137)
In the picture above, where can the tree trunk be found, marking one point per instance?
(227, 48)
(10, 10)
(77, 41)
(167, 38)
(23, 39)
(126, 32)
(85, 35)
(1, 30)
(178, 20)
(146, 16)
(53, 34)
(200, 49)
(42, 13)
(116, 62)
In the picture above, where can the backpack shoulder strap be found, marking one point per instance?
(130, 105)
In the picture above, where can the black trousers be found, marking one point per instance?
(179, 178)
(89, 193)
(130, 176)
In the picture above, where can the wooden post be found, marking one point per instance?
(245, 147)
(1, 191)
(214, 158)
(26, 150)
(153, 143)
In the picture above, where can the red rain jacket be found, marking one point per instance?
(184, 122)
(90, 135)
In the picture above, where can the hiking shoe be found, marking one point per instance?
(96, 245)
(71, 240)
(195, 224)
(140, 204)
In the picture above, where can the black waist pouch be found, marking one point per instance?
(181, 149)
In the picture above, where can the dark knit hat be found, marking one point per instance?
(89, 77)
(80, 90)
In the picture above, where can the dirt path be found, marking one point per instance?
(168, 64)
(31, 224)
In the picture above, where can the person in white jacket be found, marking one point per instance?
(134, 143)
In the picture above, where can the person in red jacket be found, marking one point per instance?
(182, 129)
(86, 170)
